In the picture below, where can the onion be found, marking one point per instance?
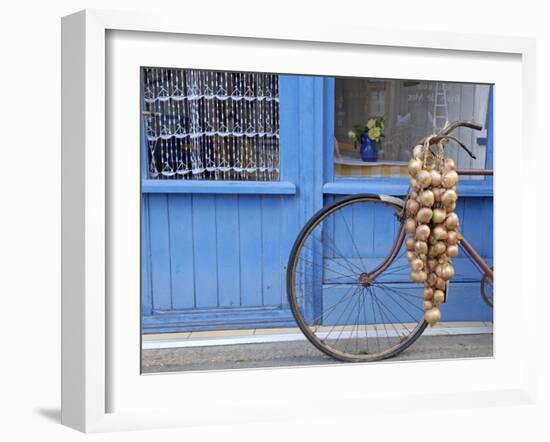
(451, 222)
(423, 178)
(410, 225)
(427, 198)
(439, 232)
(449, 179)
(453, 238)
(439, 216)
(422, 232)
(437, 249)
(452, 250)
(438, 191)
(432, 279)
(432, 263)
(417, 264)
(409, 244)
(428, 305)
(436, 178)
(440, 284)
(418, 152)
(428, 293)
(439, 297)
(449, 197)
(411, 256)
(447, 271)
(424, 215)
(448, 164)
(419, 276)
(421, 247)
(432, 316)
(412, 207)
(415, 166)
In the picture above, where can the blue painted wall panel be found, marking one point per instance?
(228, 250)
(272, 260)
(204, 246)
(250, 232)
(147, 298)
(182, 270)
(159, 234)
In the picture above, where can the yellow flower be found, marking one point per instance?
(371, 123)
(374, 133)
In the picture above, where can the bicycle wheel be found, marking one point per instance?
(348, 287)
(487, 292)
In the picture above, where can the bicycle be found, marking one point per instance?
(336, 284)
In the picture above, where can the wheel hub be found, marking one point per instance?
(365, 280)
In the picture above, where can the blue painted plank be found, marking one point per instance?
(224, 187)
(228, 249)
(399, 187)
(182, 252)
(160, 252)
(328, 232)
(490, 134)
(290, 226)
(290, 158)
(487, 216)
(473, 226)
(328, 124)
(146, 292)
(204, 246)
(218, 319)
(272, 262)
(464, 303)
(289, 127)
(384, 230)
(250, 231)
(397, 272)
(364, 227)
(342, 242)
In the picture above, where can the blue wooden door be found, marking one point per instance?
(375, 230)
(214, 253)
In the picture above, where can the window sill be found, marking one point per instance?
(399, 187)
(223, 187)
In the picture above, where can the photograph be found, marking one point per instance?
(301, 220)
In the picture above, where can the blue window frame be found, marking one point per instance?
(393, 186)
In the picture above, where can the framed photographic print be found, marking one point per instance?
(259, 221)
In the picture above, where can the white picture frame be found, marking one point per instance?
(91, 321)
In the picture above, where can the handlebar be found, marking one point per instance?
(445, 134)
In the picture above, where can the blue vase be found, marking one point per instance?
(368, 150)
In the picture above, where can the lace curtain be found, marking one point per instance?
(210, 125)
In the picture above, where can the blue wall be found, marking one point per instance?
(214, 254)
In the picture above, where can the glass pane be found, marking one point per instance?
(410, 110)
(211, 125)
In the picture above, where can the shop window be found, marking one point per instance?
(210, 125)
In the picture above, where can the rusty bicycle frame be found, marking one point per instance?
(466, 246)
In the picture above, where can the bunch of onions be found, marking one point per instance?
(432, 225)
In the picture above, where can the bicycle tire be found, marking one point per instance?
(297, 310)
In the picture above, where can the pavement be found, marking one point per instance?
(301, 353)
